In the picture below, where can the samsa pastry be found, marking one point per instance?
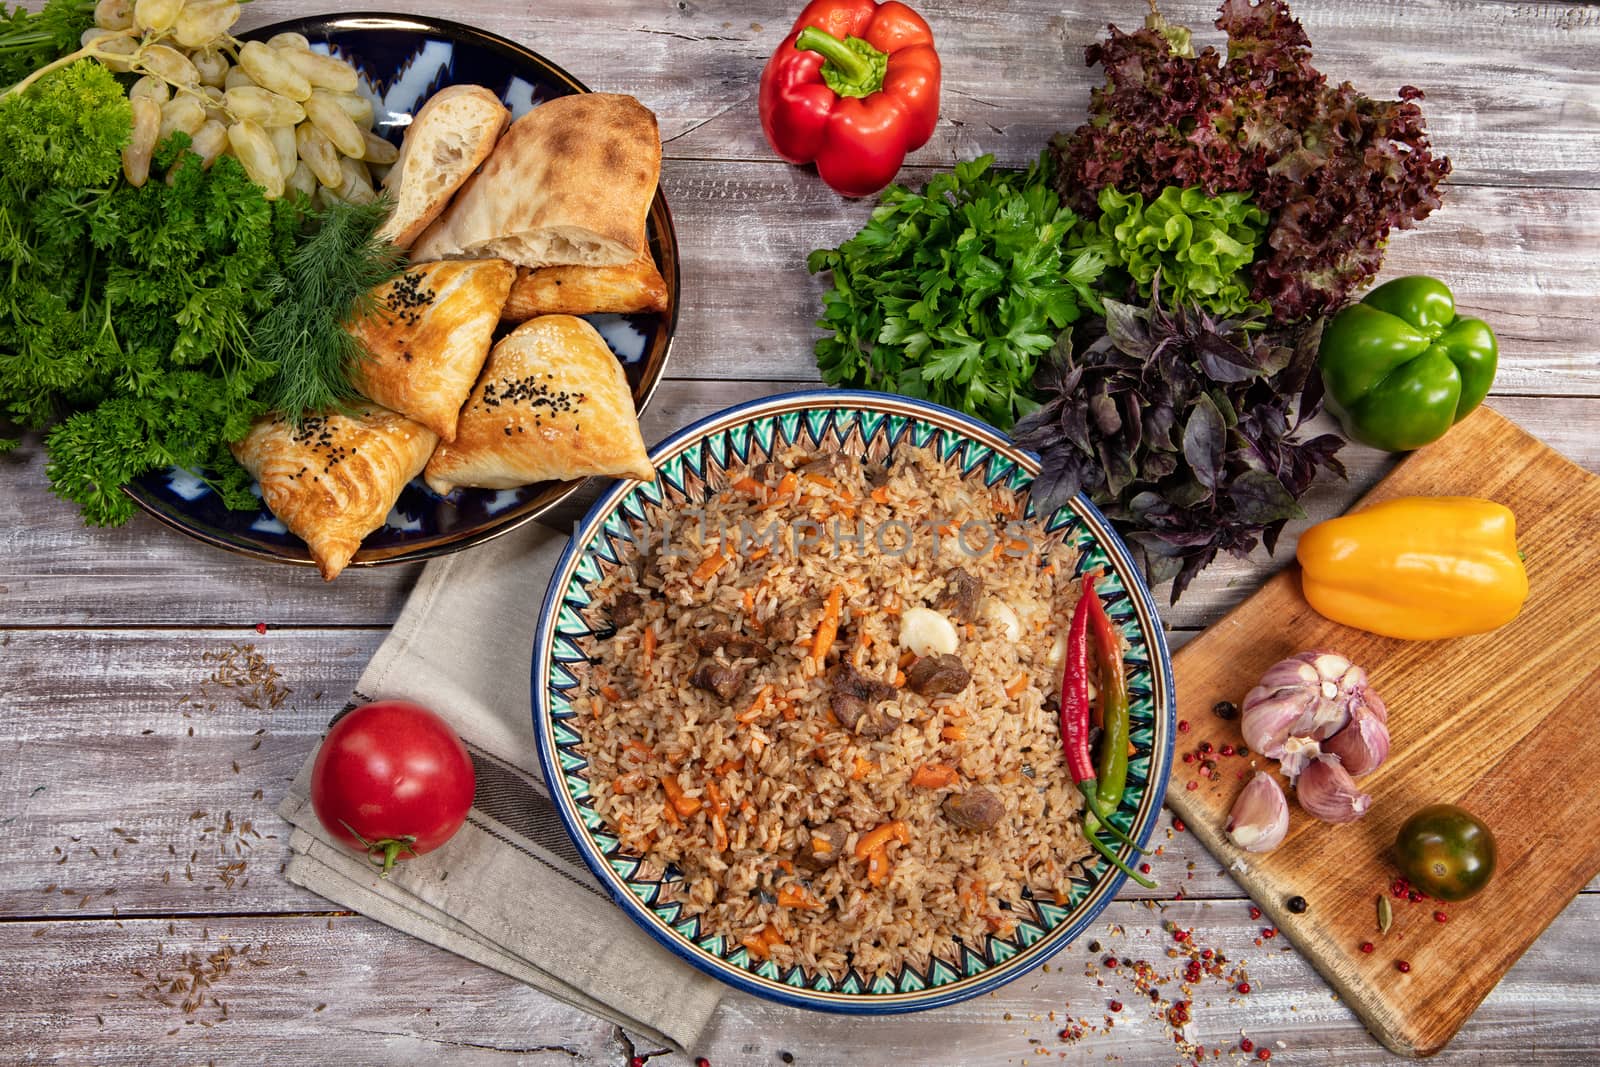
(633, 287)
(429, 336)
(333, 479)
(553, 404)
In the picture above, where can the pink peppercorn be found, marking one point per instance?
(1244, 987)
(1440, 917)
(1183, 726)
(1246, 1045)
(1263, 1054)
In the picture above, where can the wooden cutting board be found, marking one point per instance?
(1503, 724)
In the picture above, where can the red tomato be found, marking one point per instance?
(392, 780)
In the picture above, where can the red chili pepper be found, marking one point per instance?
(853, 88)
(1075, 736)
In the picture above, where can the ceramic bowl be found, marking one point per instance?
(689, 464)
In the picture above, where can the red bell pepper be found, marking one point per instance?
(853, 88)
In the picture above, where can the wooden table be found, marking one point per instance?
(136, 798)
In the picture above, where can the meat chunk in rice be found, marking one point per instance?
(933, 676)
(976, 809)
(725, 682)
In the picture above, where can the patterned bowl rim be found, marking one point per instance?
(655, 363)
(856, 402)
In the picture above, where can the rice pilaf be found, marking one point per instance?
(760, 720)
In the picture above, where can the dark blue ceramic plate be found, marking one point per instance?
(403, 60)
(692, 464)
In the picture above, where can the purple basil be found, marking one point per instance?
(1183, 428)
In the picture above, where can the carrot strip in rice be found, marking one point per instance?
(708, 567)
(828, 628)
(934, 775)
(759, 705)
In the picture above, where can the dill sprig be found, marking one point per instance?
(325, 282)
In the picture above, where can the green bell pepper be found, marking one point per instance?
(1401, 369)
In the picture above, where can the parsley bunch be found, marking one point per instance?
(130, 321)
(953, 294)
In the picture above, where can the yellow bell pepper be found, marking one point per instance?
(1419, 567)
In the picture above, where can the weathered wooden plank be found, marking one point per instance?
(99, 794)
(54, 572)
(72, 994)
(1495, 74)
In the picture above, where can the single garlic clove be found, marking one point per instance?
(1260, 816)
(1326, 790)
(927, 633)
(1364, 744)
(1376, 705)
(1271, 717)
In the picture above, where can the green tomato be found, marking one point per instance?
(1446, 852)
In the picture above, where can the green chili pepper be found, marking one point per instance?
(1401, 368)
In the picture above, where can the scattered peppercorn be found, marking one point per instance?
(1226, 750)
(636, 1061)
(1246, 1045)
(1144, 868)
(1367, 946)
(1116, 1005)
(1244, 987)
(1263, 1054)
(1298, 905)
(1225, 709)
(1440, 917)
(701, 1061)
(1094, 946)
(1270, 932)
(1192, 786)
(1205, 747)
(1255, 912)
(1177, 824)
(1402, 966)
(1183, 726)
(786, 1057)
(1111, 961)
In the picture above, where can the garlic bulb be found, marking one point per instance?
(1326, 790)
(1260, 817)
(1363, 745)
(1308, 697)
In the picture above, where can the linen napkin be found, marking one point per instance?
(510, 890)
